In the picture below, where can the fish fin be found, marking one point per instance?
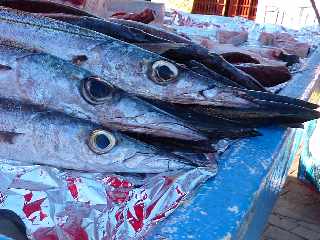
(8, 137)
(160, 48)
(4, 67)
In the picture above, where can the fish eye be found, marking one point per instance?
(101, 141)
(163, 72)
(95, 90)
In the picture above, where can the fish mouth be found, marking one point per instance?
(272, 108)
(176, 145)
(238, 107)
(174, 131)
(133, 115)
(207, 160)
(148, 120)
(156, 162)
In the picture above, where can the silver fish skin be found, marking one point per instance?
(124, 65)
(30, 135)
(151, 37)
(128, 67)
(152, 29)
(43, 6)
(45, 80)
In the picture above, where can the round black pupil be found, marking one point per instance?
(98, 89)
(102, 141)
(164, 72)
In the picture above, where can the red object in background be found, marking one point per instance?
(228, 8)
(30, 207)
(119, 189)
(232, 37)
(146, 16)
(76, 2)
(243, 8)
(71, 232)
(210, 7)
(286, 42)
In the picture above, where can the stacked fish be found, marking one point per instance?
(80, 92)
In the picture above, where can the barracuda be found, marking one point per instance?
(33, 135)
(50, 82)
(150, 76)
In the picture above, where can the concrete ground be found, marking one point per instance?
(296, 215)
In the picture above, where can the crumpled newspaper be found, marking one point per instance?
(63, 204)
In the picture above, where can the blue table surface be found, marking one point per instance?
(237, 202)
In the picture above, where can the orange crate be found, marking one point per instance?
(243, 8)
(209, 7)
(230, 8)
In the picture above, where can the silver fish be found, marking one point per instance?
(43, 6)
(45, 80)
(28, 134)
(149, 75)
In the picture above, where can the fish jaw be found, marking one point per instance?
(249, 108)
(149, 120)
(150, 160)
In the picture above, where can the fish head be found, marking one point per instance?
(117, 152)
(182, 90)
(128, 113)
(159, 78)
(45, 80)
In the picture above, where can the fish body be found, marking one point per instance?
(150, 76)
(30, 135)
(147, 41)
(44, 80)
(41, 6)
(153, 30)
(198, 53)
(124, 65)
(184, 52)
(105, 50)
